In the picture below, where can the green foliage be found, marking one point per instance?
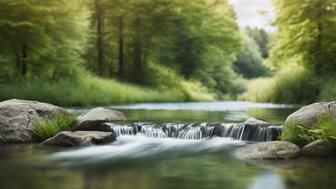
(249, 62)
(297, 134)
(91, 90)
(307, 33)
(327, 89)
(293, 84)
(163, 44)
(326, 128)
(168, 32)
(261, 38)
(41, 38)
(304, 37)
(50, 127)
(304, 134)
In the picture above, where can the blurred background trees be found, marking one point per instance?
(194, 48)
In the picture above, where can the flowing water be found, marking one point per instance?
(168, 145)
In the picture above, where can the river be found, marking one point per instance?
(140, 162)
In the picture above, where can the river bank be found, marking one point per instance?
(91, 90)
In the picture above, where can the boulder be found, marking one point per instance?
(80, 138)
(277, 150)
(17, 118)
(309, 115)
(92, 119)
(320, 148)
(253, 122)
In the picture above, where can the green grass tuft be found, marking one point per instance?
(50, 127)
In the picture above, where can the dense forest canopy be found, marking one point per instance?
(307, 32)
(128, 40)
(180, 46)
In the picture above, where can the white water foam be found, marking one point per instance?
(140, 147)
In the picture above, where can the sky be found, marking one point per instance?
(248, 13)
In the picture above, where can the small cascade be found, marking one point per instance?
(241, 131)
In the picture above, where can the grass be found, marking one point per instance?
(297, 134)
(304, 134)
(293, 84)
(91, 90)
(50, 127)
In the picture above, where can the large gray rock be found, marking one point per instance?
(80, 138)
(17, 119)
(92, 119)
(319, 148)
(309, 115)
(277, 150)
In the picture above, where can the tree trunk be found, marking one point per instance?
(100, 37)
(18, 64)
(24, 60)
(318, 58)
(121, 50)
(137, 67)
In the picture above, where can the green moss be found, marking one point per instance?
(50, 127)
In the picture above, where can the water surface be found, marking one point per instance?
(137, 162)
(227, 111)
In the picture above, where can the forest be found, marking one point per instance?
(85, 52)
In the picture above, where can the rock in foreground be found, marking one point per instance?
(92, 119)
(17, 118)
(80, 138)
(309, 115)
(278, 150)
(320, 148)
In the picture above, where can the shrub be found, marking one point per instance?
(326, 128)
(296, 133)
(293, 84)
(50, 127)
(304, 134)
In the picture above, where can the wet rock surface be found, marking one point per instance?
(91, 120)
(319, 148)
(80, 138)
(277, 150)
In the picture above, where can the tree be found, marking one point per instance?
(40, 37)
(249, 62)
(307, 33)
(261, 37)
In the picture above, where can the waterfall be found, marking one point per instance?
(196, 131)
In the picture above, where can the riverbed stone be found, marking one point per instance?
(276, 150)
(80, 138)
(320, 148)
(309, 115)
(91, 120)
(18, 118)
(253, 122)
